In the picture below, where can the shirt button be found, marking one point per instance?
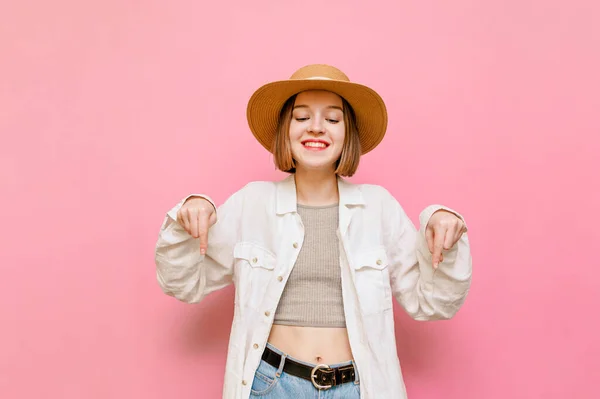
(379, 261)
(279, 278)
(254, 260)
(267, 313)
(255, 346)
(244, 382)
(295, 245)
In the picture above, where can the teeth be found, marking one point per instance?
(314, 144)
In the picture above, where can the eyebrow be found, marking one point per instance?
(329, 106)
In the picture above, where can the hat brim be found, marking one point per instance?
(266, 103)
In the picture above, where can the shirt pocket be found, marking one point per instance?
(372, 280)
(256, 266)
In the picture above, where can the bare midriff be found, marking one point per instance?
(312, 344)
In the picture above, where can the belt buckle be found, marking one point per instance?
(313, 376)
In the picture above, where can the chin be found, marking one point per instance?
(317, 162)
(317, 166)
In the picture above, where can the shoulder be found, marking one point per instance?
(380, 200)
(381, 204)
(374, 193)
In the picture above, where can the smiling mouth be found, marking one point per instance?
(315, 144)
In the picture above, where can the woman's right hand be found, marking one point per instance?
(196, 216)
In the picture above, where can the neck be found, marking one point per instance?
(316, 188)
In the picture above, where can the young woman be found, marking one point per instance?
(315, 260)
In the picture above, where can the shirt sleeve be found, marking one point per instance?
(181, 271)
(423, 292)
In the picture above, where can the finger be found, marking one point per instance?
(460, 231)
(194, 223)
(438, 244)
(184, 219)
(457, 234)
(429, 238)
(449, 238)
(203, 231)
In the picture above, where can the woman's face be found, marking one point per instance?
(317, 130)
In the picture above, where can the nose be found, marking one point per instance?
(316, 126)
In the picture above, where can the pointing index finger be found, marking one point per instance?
(203, 231)
(438, 244)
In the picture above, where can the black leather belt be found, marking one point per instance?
(322, 376)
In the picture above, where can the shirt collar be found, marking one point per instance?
(350, 194)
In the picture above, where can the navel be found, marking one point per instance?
(318, 359)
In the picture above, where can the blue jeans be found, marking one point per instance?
(272, 383)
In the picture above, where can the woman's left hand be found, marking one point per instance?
(442, 232)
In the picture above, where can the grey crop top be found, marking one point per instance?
(313, 293)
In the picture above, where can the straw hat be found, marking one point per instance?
(266, 103)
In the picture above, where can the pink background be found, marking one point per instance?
(111, 111)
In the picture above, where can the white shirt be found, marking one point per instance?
(255, 243)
